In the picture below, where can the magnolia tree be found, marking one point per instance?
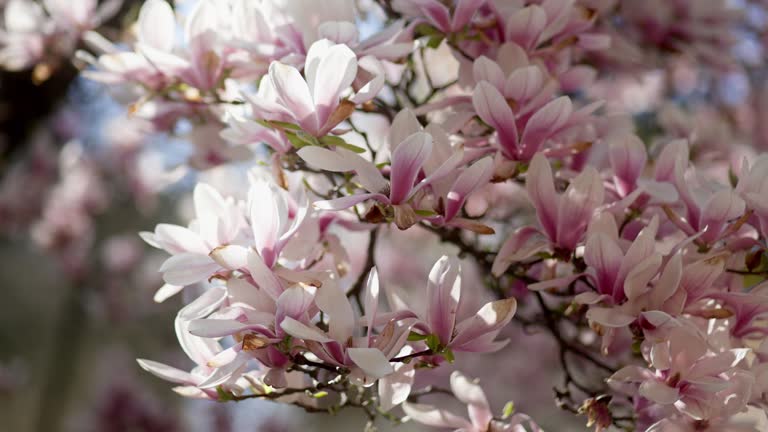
(592, 160)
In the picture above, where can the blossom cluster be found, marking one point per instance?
(642, 254)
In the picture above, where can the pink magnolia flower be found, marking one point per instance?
(158, 61)
(202, 381)
(408, 160)
(367, 356)
(447, 19)
(314, 103)
(390, 43)
(481, 418)
(218, 222)
(223, 238)
(49, 34)
(476, 333)
(748, 309)
(538, 127)
(709, 210)
(564, 217)
(686, 373)
(752, 186)
(551, 21)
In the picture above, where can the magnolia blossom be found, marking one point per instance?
(633, 243)
(38, 34)
(313, 103)
(481, 418)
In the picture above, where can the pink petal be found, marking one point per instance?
(335, 73)
(525, 26)
(303, 331)
(371, 361)
(604, 255)
(638, 278)
(517, 247)
(231, 257)
(437, 13)
(371, 299)
(333, 302)
(166, 291)
(577, 205)
(263, 276)
(546, 121)
(717, 364)
(463, 13)
(668, 282)
(490, 318)
(340, 32)
(643, 246)
(156, 26)
(210, 328)
(658, 392)
(395, 388)
(493, 109)
(632, 374)
(403, 125)
(294, 302)
(609, 317)
(628, 158)
(541, 190)
(524, 83)
(188, 268)
(471, 394)
(485, 69)
(295, 95)
(268, 211)
(721, 207)
(472, 178)
(165, 372)
(673, 152)
(443, 296)
(325, 159)
(407, 160)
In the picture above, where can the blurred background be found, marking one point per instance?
(81, 175)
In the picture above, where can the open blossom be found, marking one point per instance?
(481, 418)
(686, 374)
(371, 135)
(277, 326)
(314, 102)
(563, 217)
(476, 333)
(415, 166)
(45, 33)
(518, 103)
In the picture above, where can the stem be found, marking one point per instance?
(412, 356)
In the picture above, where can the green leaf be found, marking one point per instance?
(733, 178)
(224, 396)
(301, 139)
(272, 124)
(415, 337)
(426, 30)
(509, 409)
(435, 41)
(320, 394)
(433, 343)
(448, 354)
(331, 140)
(425, 213)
